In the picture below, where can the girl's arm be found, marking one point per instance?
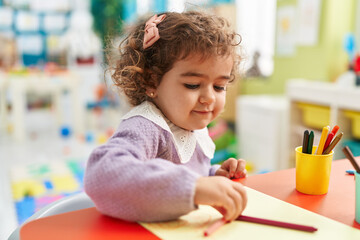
(125, 181)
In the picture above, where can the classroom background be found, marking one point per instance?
(301, 70)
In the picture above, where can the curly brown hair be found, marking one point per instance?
(181, 35)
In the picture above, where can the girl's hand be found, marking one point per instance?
(227, 196)
(232, 168)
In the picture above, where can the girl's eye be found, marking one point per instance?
(191, 86)
(219, 88)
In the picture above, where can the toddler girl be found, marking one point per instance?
(174, 69)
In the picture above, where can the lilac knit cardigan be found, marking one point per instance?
(137, 175)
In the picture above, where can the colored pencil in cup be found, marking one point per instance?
(277, 223)
(331, 136)
(333, 143)
(305, 142)
(328, 140)
(335, 129)
(311, 142)
(324, 134)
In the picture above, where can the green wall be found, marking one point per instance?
(324, 61)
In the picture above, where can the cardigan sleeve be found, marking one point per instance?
(125, 181)
(213, 169)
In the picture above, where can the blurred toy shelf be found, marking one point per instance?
(54, 85)
(314, 105)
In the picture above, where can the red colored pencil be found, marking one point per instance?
(328, 140)
(335, 129)
(277, 223)
(214, 227)
(294, 226)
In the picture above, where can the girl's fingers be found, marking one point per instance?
(230, 206)
(231, 166)
(227, 196)
(222, 210)
(240, 169)
(240, 189)
(242, 174)
(222, 172)
(237, 199)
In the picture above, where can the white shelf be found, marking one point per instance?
(338, 98)
(324, 93)
(315, 92)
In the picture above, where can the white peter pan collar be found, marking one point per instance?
(185, 141)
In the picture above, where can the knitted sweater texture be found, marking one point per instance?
(138, 176)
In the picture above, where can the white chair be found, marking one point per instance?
(67, 204)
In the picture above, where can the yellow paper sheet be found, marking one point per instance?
(193, 225)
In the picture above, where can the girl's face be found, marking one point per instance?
(193, 92)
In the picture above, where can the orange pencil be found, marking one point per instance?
(331, 136)
(335, 129)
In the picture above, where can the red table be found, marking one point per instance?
(337, 204)
(85, 224)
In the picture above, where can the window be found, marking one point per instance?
(256, 21)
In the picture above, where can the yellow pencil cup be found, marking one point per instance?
(313, 172)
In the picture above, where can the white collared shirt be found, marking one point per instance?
(185, 141)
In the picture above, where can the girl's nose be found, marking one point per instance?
(207, 96)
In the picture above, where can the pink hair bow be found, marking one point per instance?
(151, 34)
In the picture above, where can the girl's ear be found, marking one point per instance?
(151, 92)
(152, 85)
